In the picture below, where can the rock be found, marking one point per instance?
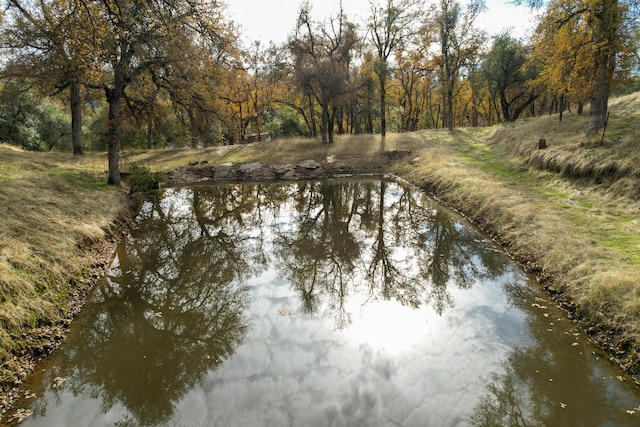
(249, 168)
(309, 164)
(263, 174)
(281, 170)
(290, 175)
(255, 171)
(224, 173)
(207, 173)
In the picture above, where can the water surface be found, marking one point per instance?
(334, 303)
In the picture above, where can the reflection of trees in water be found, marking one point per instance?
(172, 308)
(388, 236)
(522, 396)
(319, 256)
(174, 304)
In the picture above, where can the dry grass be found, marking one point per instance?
(51, 203)
(611, 162)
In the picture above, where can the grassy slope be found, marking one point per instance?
(53, 207)
(569, 214)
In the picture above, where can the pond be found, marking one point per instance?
(331, 303)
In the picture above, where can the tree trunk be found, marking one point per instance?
(150, 133)
(332, 121)
(383, 105)
(76, 119)
(606, 18)
(114, 96)
(312, 116)
(447, 116)
(355, 126)
(599, 97)
(324, 130)
(194, 131)
(504, 105)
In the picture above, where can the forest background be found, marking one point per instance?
(115, 74)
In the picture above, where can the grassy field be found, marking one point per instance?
(570, 214)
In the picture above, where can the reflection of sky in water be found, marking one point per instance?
(392, 366)
(354, 353)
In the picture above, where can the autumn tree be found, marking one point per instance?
(53, 42)
(597, 32)
(134, 38)
(414, 74)
(367, 107)
(390, 25)
(196, 78)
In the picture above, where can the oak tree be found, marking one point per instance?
(389, 27)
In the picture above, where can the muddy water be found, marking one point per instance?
(340, 303)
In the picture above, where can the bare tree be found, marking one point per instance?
(322, 58)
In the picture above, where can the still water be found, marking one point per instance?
(334, 303)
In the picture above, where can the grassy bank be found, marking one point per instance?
(568, 213)
(55, 210)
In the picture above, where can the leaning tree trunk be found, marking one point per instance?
(76, 119)
(605, 23)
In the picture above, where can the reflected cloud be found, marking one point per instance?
(551, 381)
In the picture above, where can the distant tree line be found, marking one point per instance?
(109, 74)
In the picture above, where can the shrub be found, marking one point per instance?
(142, 180)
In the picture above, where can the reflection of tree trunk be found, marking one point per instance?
(381, 256)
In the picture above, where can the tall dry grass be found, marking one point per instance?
(610, 160)
(50, 203)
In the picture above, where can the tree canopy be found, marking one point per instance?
(174, 72)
